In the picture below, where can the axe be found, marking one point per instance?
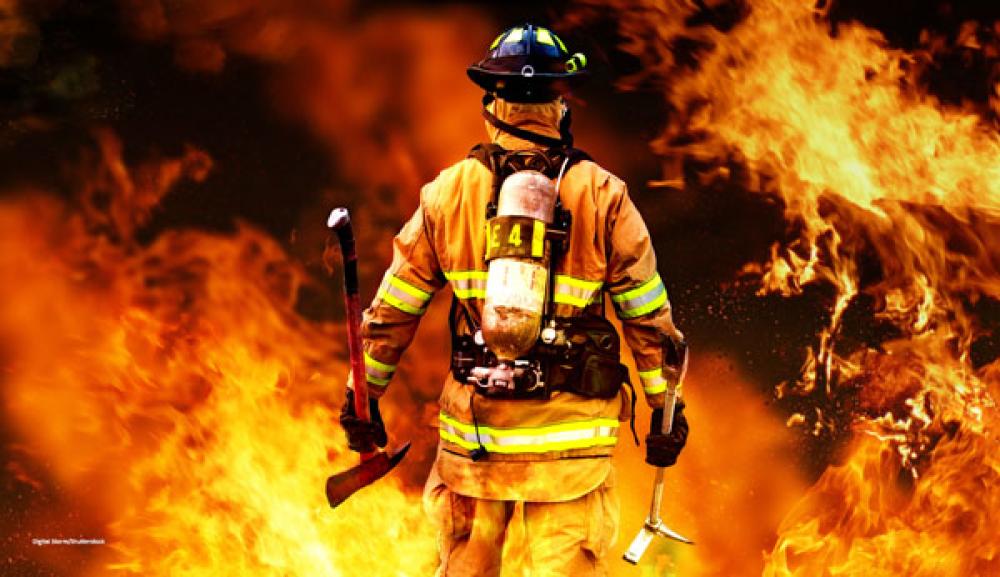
(376, 464)
(654, 525)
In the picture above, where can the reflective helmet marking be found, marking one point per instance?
(543, 36)
(496, 41)
(515, 36)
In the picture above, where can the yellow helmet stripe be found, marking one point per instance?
(543, 36)
(515, 36)
(496, 41)
(560, 42)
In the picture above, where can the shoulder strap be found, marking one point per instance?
(494, 157)
(575, 155)
(486, 152)
(491, 155)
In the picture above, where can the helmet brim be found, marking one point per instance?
(489, 79)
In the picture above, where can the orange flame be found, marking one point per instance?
(866, 165)
(184, 406)
(182, 402)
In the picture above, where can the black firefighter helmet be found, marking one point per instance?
(528, 63)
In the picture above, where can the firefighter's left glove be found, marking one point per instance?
(662, 450)
(362, 436)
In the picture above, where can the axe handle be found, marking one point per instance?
(669, 406)
(352, 303)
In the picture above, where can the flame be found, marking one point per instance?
(190, 417)
(384, 91)
(175, 400)
(183, 404)
(893, 202)
(731, 487)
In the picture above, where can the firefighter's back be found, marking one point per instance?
(538, 449)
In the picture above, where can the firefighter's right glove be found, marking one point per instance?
(662, 450)
(362, 436)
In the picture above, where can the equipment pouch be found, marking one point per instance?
(602, 377)
(598, 373)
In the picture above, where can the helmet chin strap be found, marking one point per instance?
(565, 139)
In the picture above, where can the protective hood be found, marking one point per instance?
(542, 118)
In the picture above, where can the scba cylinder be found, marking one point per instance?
(518, 264)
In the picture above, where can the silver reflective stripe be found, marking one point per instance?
(469, 284)
(377, 372)
(653, 382)
(559, 437)
(403, 295)
(576, 292)
(648, 297)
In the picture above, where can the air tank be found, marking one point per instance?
(516, 285)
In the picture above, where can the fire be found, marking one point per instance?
(893, 200)
(174, 400)
(191, 418)
(186, 409)
(730, 487)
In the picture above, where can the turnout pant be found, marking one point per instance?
(569, 538)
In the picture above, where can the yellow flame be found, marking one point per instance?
(866, 165)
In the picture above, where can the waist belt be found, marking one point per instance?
(582, 358)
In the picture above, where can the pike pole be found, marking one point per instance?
(375, 464)
(654, 525)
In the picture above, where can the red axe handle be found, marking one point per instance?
(376, 464)
(340, 222)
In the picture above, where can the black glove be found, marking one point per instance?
(662, 450)
(362, 436)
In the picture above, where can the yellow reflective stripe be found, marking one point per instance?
(409, 289)
(558, 437)
(646, 298)
(384, 367)
(377, 372)
(405, 307)
(379, 381)
(649, 307)
(590, 285)
(651, 373)
(514, 36)
(653, 382)
(521, 431)
(538, 239)
(466, 275)
(543, 36)
(568, 299)
(496, 41)
(575, 291)
(403, 295)
(468, 284)
(639, 290)
(472, 293)
(540, 448)
(655, 389)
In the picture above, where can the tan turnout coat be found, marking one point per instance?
(553, 450)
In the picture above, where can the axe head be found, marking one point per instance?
(342, 485)
(645, 537)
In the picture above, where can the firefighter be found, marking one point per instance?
(533, 427)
